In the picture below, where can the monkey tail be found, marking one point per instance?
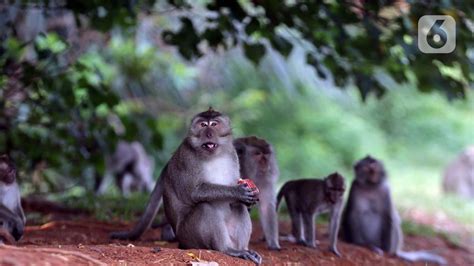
(280, 195)
(421, 255)
(146, 219)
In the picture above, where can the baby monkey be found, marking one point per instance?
(307, 198)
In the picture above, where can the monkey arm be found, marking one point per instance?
(396, 234)
(207, 192)
(391, 233)
(105, 182)
(9, 216)
(21, 214)
(19, 209)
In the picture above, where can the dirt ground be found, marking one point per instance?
(72, 241)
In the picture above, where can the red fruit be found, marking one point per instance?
(249, 183)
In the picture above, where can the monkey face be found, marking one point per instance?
(369, 171)
(210, 131)
(254, 155)
(7, 170)
(334, 187)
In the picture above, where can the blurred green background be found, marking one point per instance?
(68, 93)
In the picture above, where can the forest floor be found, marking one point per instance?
(79, 239)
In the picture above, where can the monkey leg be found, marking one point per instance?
(308, 222)
(219, 227)
(126, 184)
(296, 226)
(269, 220)
(12, 222)
(214, 226)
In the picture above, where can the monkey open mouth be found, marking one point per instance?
(210, 146)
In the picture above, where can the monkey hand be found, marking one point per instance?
(247, 195)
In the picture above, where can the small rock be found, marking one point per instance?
(156, 249)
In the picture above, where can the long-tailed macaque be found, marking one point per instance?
(370, 218)
(203, 202)
(257, 162)
(307, 198)
(12, 218)
(132, 168)
(458, 176)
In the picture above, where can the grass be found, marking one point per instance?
(420, 187)
(110, 206)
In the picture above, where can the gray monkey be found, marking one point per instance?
(12, 217)
(307, 198)
(131, 167)
(370, 218)
(203, 202)
(257, 162)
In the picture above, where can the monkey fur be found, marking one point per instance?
(12, 217)
(307, 198)
(370, 218)
(257, 162)
(203, 203)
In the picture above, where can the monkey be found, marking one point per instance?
(202, 201)
(132, 168)
(370, 219)
(307, 198)
(258, 163)
(12, 217)
(458, 176)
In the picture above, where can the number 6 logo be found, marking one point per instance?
(436, 34)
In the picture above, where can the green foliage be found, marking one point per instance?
(63, 112)
(63, 123)
(353, 41)
(107, 207)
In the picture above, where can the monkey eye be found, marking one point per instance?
(213, 123)
(257, 153)
(203, 124)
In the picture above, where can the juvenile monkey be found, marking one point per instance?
(257, 162)
(203, 203)
(12, 218)
(370, 218)
(306, 198)
(131, 167)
